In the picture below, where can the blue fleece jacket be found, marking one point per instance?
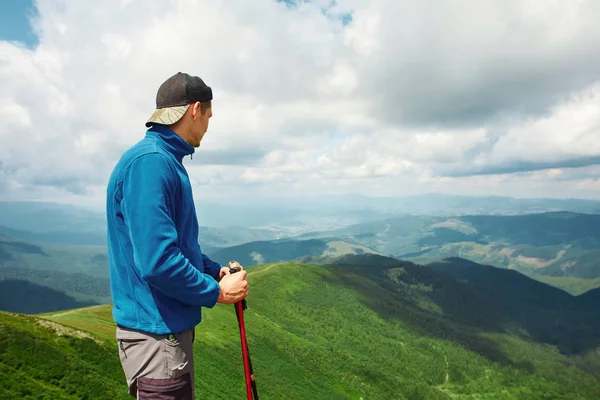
(159, 277)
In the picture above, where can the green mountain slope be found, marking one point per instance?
(40, 359)
(509, 284)
(362, 327)
(547, 314)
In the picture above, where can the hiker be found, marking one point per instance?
(160, 280)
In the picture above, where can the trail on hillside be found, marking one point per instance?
(62, 314)
(447, 370)
(266, 269)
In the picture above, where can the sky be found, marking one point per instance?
(378, 98)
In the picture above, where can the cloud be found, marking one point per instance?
(566, 138)
(464, 63)
(311, 96)
(527, 166)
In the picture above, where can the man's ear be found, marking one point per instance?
(195, 110)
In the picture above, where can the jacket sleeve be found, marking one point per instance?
(148, 187)
(211, 266)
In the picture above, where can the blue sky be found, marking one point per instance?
(345, 17)
(15, 24)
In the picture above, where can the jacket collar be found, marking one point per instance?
(171, 141)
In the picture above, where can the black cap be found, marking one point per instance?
(182, 89)
(175, 94)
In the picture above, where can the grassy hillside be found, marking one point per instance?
(362, 327)
(43, 360)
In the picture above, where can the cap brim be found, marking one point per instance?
(167, 116)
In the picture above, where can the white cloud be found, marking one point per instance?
(408, 97)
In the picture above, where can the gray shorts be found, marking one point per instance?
(157, 366)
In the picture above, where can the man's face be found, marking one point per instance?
(200, 125)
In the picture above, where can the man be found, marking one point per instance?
(159, 277)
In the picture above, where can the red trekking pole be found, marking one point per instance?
(239, 311)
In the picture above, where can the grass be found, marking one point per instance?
(43, 361)
(313, 334)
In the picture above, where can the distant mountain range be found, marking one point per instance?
(21, 296)
(357, 326)
(286, 215)
(559, 248)
(315, 213)
(560, 244)
(262, 252)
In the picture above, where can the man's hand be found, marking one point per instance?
(234, 287)
(225, 270)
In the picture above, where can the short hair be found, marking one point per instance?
(204, 106)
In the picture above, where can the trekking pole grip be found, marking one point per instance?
(233, 268)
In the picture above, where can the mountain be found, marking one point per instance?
(53, 223)
(546, 313)
(44, 217)
(318, 212)
(558, 248)
(93, 238)
(21, 296)
(591, 298)
(262, 252)
(540, 230)
(78, 271)
(553, 244)
(82, 287)
(494, 299)
(362, 326)
(282, 215)
(575, 286)
(509, 284)
(212, 239)
(91, 260)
